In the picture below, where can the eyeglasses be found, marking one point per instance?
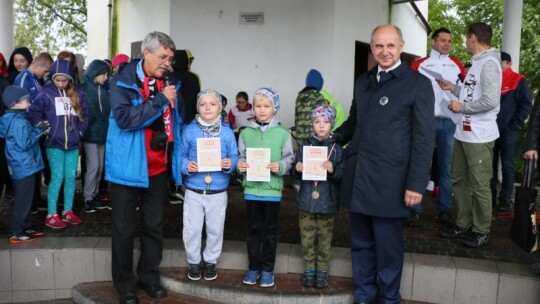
(164, 58)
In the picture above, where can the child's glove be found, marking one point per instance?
(43, 125)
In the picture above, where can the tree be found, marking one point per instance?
(51, 25)
(456, 15)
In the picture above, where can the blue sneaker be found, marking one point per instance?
(251, 277)
(267, 279)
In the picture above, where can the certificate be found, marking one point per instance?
(209, 154)
(258, 159)
(313, 158)
(435, 75)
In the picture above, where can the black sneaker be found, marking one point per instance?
(504, 206)
(478, 239)
(210, 272)
(88, 207)
(98, 204)
(194, 272)
(446, 219)
(453, 232)
(414, 220)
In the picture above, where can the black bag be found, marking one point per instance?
(523, 230)
(159, 140)
(159, 136)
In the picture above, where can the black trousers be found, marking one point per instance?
(152, 204)
(24, 194)
(262, 234)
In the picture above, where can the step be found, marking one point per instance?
(104, 293)
(228, 288)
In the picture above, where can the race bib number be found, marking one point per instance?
(63, 106)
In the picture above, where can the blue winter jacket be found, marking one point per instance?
(229, 149)
(125, 151)
(22, 144)
(66, 131)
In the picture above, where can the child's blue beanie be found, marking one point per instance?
(314, 79)
(13, 95)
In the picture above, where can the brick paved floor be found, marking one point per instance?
(422, 239)
(103, 292)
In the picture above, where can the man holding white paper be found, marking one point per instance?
(439, 65)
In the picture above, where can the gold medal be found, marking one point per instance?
(315, 194)
(208, 179)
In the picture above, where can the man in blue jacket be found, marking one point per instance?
(391, 130)
(143, 121)
(516, 103)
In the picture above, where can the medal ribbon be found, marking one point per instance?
(315, 183)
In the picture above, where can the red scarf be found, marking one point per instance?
(510, 81)
(157, 160)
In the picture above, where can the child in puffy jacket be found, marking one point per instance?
(206, 188)
(24, 160)
(318, 200)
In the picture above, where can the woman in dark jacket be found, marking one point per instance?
(20, 59)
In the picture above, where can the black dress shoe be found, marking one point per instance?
(128, 298)
(155, 291)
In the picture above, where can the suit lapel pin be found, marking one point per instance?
(383, 101)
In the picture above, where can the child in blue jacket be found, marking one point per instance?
(206, 192)
(24, 160)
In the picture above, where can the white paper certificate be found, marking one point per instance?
(258, 159)
(312, 159)
(209, 154)
(433, 74)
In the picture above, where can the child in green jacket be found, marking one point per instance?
(262, 197)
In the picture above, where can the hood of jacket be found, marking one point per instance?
(96, 68)
(25, 52)
(180, 60)
(62, 67)
(490, 52)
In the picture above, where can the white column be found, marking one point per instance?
(511, 40)
(6, 27)
(99, 34)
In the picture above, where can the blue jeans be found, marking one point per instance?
(444, 139)
(505, 147)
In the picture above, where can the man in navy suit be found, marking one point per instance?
(390, 131)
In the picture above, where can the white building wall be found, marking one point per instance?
(414, 32)
(230, 57)
(98, 44)
(297, 35)
(136, 18)
(354, 21)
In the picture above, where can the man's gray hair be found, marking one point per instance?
(154, 40)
